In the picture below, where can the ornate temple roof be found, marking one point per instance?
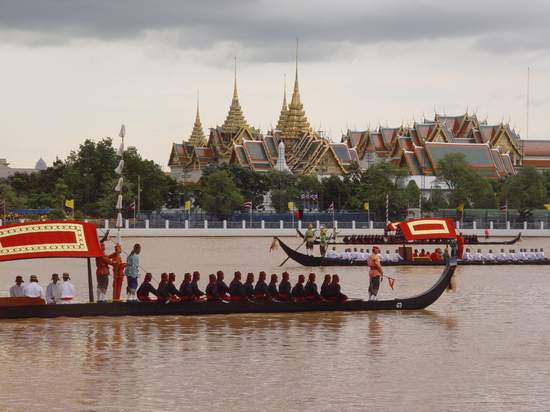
(235, 119)
(296, 122)
(197, 139)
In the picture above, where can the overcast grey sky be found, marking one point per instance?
(77, 69)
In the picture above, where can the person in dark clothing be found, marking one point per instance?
(310, 290)
(335, 291)
(186, 291)
(285, 287)
(145, 289)
(212, 294)
(221, 286)
(236, 289)
(272, 291)
(325, 287)
(162, 292)
(260, 290)
(197, 293)
(249, 286)
(173, 292)
(297, 292)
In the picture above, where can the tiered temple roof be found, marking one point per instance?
(235, 120)
(283, 116)
(493, 150)
(197, 139)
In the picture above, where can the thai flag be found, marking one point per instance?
(247, 205)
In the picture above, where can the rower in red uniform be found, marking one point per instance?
(415, 254)
(297, 292)
(423, 253)
(221, 286)
(335, 290)
(375, 272)
(145, 289)
(260, 290)
(173, 292)
(118, 272)
(236, 289)
(310, 290)
(435, 256)
(197, 293)
(272, 291)
(285, 288)
(460, 245)
(186, 290)
(102, 274)
(249, 286)
(212, 294)
(325, 287)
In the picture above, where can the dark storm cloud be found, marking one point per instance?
(264, 29)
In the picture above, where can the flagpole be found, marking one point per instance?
(138, 198)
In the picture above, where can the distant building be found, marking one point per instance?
(536, 153)
(491, 150)
(7, 171)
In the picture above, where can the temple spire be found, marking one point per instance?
(284, 111)
(197, 139)
(296, 122)
(235, 119)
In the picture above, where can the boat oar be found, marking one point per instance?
(288, 257)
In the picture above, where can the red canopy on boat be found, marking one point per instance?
(428, 228)
(48, 239)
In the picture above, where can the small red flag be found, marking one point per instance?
(391, 282)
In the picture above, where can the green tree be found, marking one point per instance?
(465, 184)
(219, 194)
(525, 191)
(412, 194)
(9, 198)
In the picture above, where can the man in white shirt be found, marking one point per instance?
(362, 255)
(332, 254)
(53, 291)
(355, 255)
(33, 289)
(478, 257)
(531, 255)
(468, 255)
(67, 289)
(17, 290)
(540, 254)
(396, 256)
(489, 256)
(519, 255)
(512, 255)
(501, 257)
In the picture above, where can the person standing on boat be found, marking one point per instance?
(310, 239)
(18, 290)
(323, 241)
(53, 290)
(118, 272)
(102, 274)
(68, 291)
(132, 272)
(33, 288)
(460, 245)
(375, 272)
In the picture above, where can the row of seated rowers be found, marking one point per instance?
(218, 290)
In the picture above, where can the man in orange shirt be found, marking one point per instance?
(375, 272)
(102, 274)
(118, 272)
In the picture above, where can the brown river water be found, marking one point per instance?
(484, 347)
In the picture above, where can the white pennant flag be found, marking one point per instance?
(120, 151)
(122, 131)
(119, 202)
(118, 187)
(119, 220)
(118, 169)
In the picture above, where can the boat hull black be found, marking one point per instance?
(312, 261)
(419, 301)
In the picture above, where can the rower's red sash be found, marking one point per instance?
(235, 298)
